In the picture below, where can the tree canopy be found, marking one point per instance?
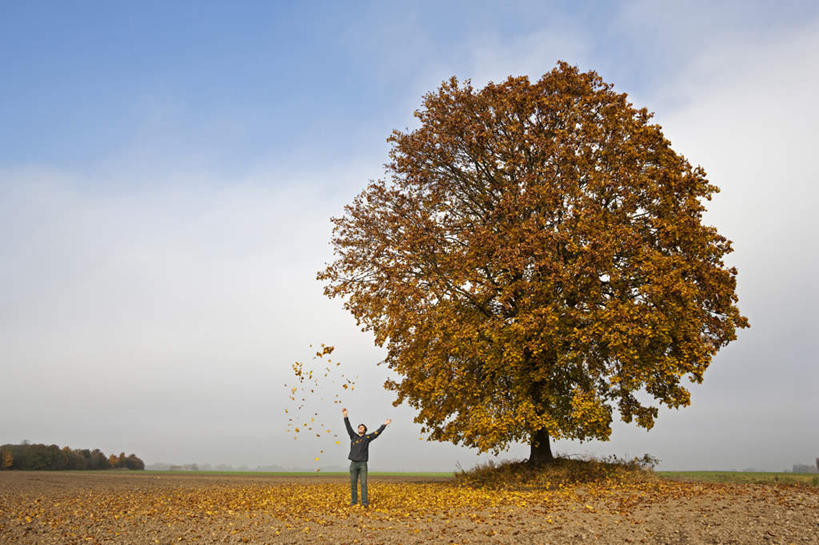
(534, 260)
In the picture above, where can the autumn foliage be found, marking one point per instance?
(534, 260)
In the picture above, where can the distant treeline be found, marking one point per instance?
(51, 457)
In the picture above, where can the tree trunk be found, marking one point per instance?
(541, 452)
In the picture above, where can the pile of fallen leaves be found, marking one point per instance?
(521, 475)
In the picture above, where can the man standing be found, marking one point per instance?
(359, 454)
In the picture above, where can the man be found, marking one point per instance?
(359, 454)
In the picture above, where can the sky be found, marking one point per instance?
(168, 171)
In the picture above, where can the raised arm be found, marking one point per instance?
(377, 432)
(350, 431)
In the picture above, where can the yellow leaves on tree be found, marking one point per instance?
(6, 459)
(535, 257)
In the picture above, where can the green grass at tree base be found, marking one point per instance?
(743, 477)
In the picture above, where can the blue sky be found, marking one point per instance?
(168, 170)
(234, 83)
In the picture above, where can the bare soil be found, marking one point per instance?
(115, 507)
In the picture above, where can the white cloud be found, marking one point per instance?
(748, 116)
(494, 59)
(131, 300)
(163, 319)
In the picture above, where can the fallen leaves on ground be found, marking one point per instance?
(192, 513)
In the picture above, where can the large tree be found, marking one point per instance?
(534, 259)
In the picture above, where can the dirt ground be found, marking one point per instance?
(113, 507)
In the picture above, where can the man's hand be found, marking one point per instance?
(388, 421)
(344, 412)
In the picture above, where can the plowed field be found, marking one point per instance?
(67, 508)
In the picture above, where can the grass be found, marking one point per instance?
(520, 475)
(742, 477)
(435, 474)
(565, 470)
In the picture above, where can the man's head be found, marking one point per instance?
(362, 429)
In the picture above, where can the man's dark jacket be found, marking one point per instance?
(360, 444)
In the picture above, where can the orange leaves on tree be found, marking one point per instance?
(534, 257)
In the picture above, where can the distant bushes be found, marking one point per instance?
(51, 457)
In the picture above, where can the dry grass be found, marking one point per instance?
(520, 475)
